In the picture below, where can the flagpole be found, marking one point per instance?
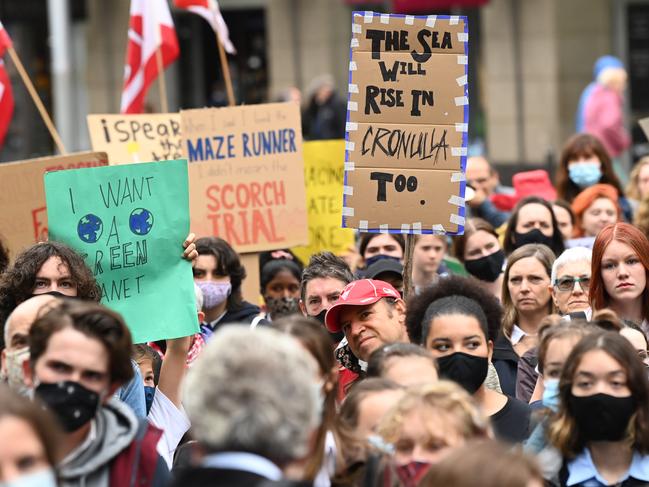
(226, 70)
(161, 80)
(36, 99)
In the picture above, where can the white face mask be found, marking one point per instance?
(42, 478)
(14, 360)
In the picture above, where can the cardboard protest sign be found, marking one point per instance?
(323, 175)
(251, 284)
(136, 138)
(23, 219)
(644, 125)
(407, 120)
(129, 222)
(246, 175)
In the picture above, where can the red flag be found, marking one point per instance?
(150, 28)
(210, 11)
(5, 40)
(6, 95)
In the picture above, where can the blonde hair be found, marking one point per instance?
(632, 190)
(484, 463)
(552, 328)
(443, 396)
(546, 257)
(641, 216)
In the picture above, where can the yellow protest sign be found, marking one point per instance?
(323, 177)
(130, 138)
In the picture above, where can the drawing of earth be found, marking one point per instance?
(90, 228)
(141, 221)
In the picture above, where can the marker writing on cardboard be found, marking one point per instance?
(397, 40)
(131, 131)
(400, 183)
(399, 143)
(116, 254)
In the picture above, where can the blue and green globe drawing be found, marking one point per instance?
(141, 221)
(90, 228)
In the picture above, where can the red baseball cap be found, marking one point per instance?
(358, 293)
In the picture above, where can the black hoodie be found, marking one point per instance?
(244, 313)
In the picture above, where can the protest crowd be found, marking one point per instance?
(513, 352)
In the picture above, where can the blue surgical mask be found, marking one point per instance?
(551, 394)
(585, 174)
(42, 478)
(149, 392)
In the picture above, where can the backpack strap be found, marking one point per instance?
(138, 461)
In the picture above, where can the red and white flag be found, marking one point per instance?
(210, 11)
(150, 28)
(6, 95)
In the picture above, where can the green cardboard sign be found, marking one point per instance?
(129, 223)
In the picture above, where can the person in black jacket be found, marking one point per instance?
(219, 274)
(324, 116)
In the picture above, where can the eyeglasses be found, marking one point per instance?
(567, 283)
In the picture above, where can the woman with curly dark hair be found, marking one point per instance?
(46, 267)
(458, 321)
(4, 257)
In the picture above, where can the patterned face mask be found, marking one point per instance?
(214, 293)
(70, 402)
(15, 374)
(278, 307)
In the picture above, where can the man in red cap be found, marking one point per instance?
(370, 313)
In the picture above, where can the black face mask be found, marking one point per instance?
(56, 294)
(335, 337)
(533, 236)
(320, 316)
(378, 257)
(486, 268)
(467, 370)
(601, 417)
(70, 402)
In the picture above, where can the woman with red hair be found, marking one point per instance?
(619, 273)
(594, 208)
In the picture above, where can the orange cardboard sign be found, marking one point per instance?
(407, 120)
(23, 220)
(246, 175)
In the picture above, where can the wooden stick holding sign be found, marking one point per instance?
(407, 266)
(37, 100)
(164, 105)
(226, 70)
